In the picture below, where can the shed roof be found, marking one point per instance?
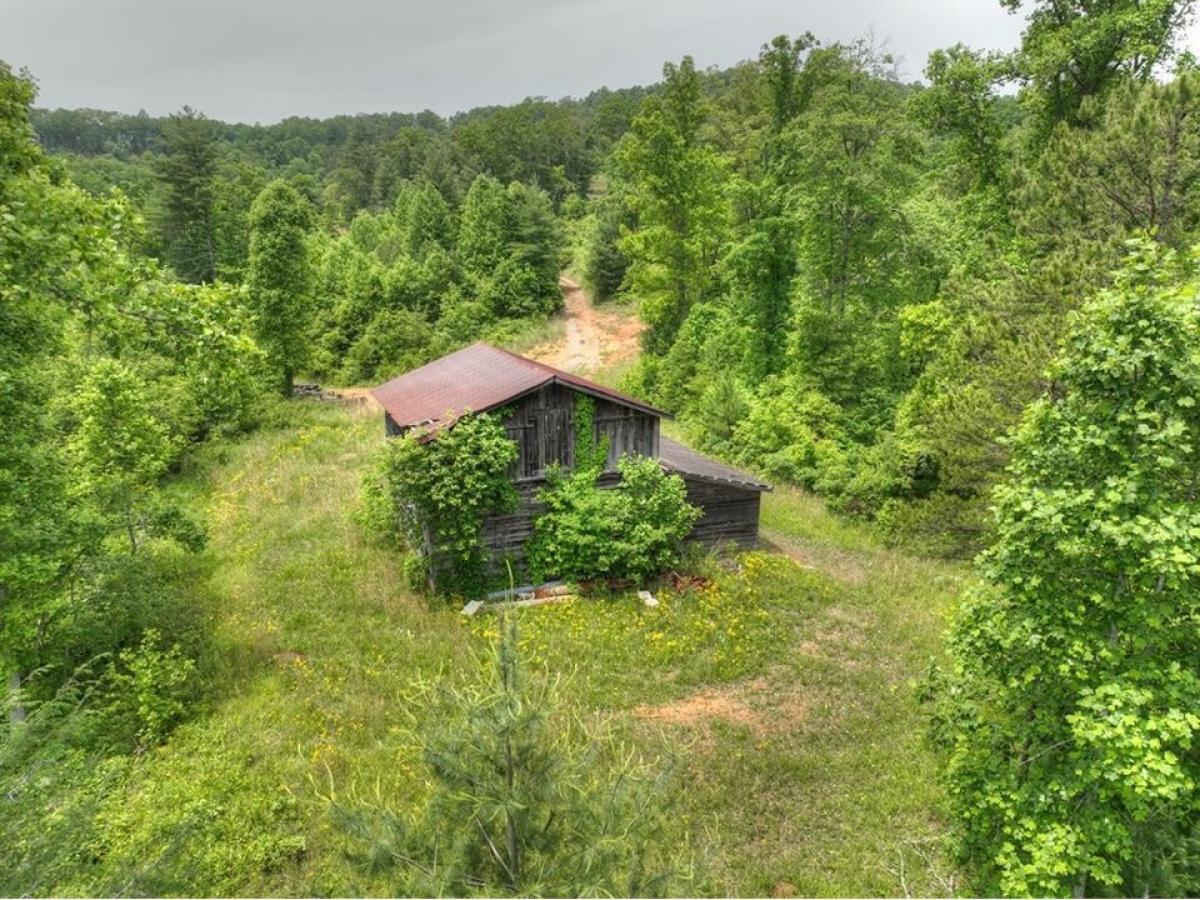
(683, 460)
(476, 379)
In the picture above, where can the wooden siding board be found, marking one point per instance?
(630, 432)
(543, 425)
(729, 516)
(729, 513)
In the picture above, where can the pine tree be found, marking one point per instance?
(424, 219)
(604, 263)
(525, 801)
(188, 172)
(484, 228)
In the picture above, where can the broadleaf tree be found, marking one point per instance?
(279, 279)
(1074, 49)
(1071, 707)
(677, 192)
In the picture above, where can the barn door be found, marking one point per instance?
(552, 436)
(522, 436)
(543, 431)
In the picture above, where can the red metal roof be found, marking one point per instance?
(475, 379)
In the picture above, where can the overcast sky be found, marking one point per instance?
(262, 60)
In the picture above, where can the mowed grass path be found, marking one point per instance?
(788, 698)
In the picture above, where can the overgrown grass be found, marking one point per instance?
(783, 689)
(523, 335)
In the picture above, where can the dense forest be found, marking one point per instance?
(852, 283)
(959, 310)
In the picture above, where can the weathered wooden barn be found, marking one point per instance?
(480, 378)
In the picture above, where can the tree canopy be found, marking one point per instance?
(1070, 708)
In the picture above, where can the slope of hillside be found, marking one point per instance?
(787, 699)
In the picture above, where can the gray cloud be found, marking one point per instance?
(261, 60)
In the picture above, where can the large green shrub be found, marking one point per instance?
(793, 434)
(154, 684)
(396, 340)
(632, 530)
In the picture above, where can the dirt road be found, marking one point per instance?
(594, 339)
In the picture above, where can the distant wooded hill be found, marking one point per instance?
(557, 145)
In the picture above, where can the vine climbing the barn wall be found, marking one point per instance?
(436, 493)
(590, 453)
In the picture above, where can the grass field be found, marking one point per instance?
(785, 692)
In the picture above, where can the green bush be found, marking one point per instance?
(396, 340)
(113, 685)
(167, 520)
(464, 318)
(793, 435)
(434, 493)
(108, 612)
(155, 683)
(633, 530)
(711, 342)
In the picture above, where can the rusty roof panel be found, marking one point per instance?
(685, 461)
(475, 379)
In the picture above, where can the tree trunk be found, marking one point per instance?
(430, 558)
(17, 716)
(131, 531)
(510, 824)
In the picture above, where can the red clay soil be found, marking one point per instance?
(594, 339)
